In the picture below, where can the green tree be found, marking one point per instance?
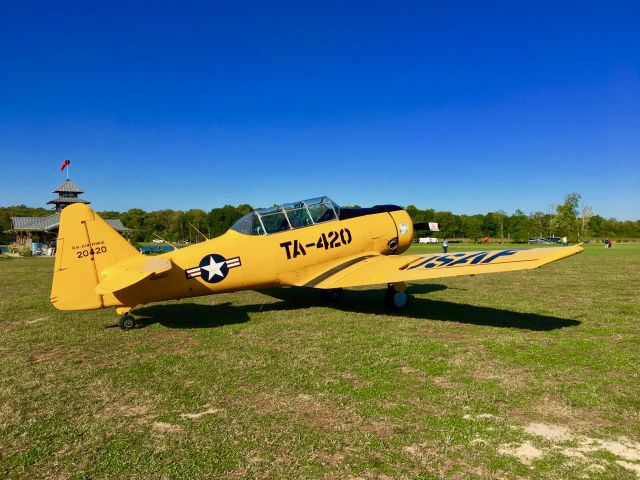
(519, 225)
(448, 224)
(220, 219)
(135, 220)
(472, 227)
(199, 219)
(596, 226)
(567, 217)
(501, 219)
(112, 214)
(585, 218)
(490, 225)
(413, 212)
(538, 223)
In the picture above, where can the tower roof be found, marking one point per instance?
(67, 201)
(68, 186)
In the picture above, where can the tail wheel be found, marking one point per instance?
(331, 294)
(396, 300)
(127, 322)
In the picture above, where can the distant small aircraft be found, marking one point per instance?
(311, 243)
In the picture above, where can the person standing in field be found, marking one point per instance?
(564, 241)
(606, 243)
(445, 245)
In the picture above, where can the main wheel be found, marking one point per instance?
(396, 300)
(127, 322)
(331, 294)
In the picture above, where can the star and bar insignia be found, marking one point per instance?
(213, 268)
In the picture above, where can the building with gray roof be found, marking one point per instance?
(44, 230)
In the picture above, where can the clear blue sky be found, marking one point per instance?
(462, 106)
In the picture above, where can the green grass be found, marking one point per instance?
(451, 388)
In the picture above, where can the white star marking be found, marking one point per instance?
(213, 268)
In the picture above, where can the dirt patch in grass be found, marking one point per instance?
(524, 452)
(329, 460)
(575, 447)
(49, 356)
(131, 412)
(355, 380)
(307, 409)
(166, 428)
(196, 416)
(624, 448)
(552, 407)
(481, 416)
(442, 382)
(634, 467)
(381, 428)
(554, 433)
(555, 410)
(174, 341)
(509, 379)
(425, 456)
(35, 320)
(408, 369)
(136, 407)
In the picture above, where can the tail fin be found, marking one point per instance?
(86, 246)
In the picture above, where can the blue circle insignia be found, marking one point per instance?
(213, 268)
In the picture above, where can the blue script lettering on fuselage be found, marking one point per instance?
(453, 259)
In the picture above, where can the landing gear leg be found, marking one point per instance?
(126, 321)
(396, 297)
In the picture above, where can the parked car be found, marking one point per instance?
(545, 240)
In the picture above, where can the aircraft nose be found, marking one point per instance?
(404, 226)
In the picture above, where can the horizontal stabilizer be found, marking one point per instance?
(124, 275)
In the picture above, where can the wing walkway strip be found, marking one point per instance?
(334, 270)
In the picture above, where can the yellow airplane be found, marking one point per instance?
(311, 243)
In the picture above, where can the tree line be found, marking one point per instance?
(570, 218)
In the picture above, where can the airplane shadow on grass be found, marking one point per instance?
(192, 315)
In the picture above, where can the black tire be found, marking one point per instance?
(396, 300)
(331, 294)
(127, 322)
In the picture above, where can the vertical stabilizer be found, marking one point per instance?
(86, 246)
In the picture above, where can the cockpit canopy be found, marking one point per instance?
(288, 216)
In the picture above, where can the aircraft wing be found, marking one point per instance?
(377, 269)
(125, 274)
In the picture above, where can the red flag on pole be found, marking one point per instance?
(65, 164)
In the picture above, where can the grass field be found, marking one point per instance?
(518, 375)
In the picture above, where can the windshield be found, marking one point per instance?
(287, 216)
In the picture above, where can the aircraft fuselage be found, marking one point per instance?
(236, 261)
